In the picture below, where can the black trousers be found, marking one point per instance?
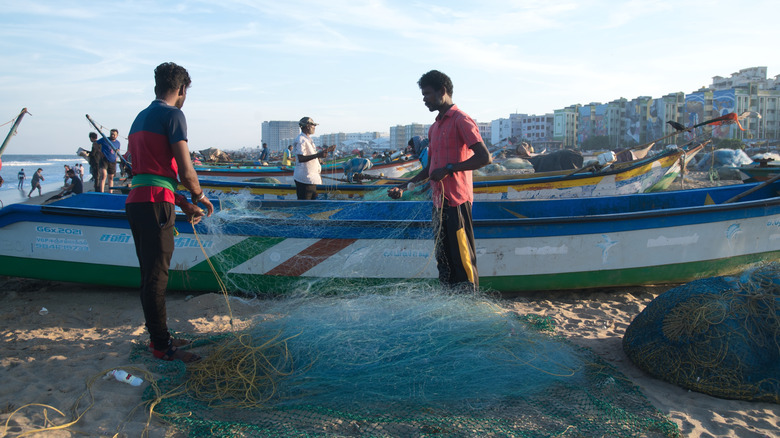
(152, 225)
(305, 191)
(455, 249)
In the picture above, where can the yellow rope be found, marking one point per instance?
(221, 283)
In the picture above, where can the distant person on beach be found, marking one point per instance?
(307, 163)
(107, 167)
(36, 182)
(76, 187)
(21, 177)
(419, 147)
(124, 165)
(94, 157)
(455, 149)
(264, 154)
(158, 144)
(66, 177)
(81, 172)
(288, 158)
(355, 166)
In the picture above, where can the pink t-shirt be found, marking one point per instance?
(450, 138)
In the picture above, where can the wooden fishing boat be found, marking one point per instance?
(758, 173)
(636, 176)
(394, 169)
(272, 246)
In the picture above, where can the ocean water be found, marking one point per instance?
(53, 173)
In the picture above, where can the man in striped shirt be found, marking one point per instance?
(161, 158)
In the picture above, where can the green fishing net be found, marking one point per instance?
(719, 336)
(398, 360)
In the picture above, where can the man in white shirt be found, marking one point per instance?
(307, 165)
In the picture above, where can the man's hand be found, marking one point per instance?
(195, 213)
(324, 153)
(439, 174)
(395, 192)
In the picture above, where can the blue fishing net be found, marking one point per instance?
(719, 336)
(400, 360)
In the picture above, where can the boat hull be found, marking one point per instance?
(626, 178)
(272, 246)
(393, 169)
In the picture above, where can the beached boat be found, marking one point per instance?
(394, 169)
(758, 173)
(270, 246)
(647, 174)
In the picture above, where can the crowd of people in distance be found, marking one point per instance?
(73, 181)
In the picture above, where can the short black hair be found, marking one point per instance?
(169, 76)
(436, 80)
(93, 135)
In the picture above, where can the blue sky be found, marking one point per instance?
(353, 65)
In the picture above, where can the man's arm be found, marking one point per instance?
(321, 154)
(398, 191)
(480, 159)
(189, 179)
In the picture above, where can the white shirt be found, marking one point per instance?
(308, 172)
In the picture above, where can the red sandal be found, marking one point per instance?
(176, 342)
(174, 353)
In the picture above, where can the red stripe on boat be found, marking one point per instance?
(310, 257)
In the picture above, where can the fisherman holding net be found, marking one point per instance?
(455, 149)
(158, 144)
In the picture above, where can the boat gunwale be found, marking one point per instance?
(693, 211)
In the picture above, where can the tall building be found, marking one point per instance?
(565, 126)
(337, 139)
(400, 134)
(535, 129)
(624, 123)
(748, 90)
(500, 131)
(484, 132)
(277, 134)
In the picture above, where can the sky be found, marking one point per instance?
(351, 65)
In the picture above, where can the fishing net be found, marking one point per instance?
(719, 336)
(304, 254)
(398, 360)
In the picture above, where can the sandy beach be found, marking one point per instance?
(49, 358)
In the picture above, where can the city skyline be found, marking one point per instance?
(353, 66)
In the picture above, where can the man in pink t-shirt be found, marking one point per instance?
(455, 149)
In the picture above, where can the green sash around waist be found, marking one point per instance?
(149, 180)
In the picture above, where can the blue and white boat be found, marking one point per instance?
(269, 246)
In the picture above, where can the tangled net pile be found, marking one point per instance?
(719, 336)
(406, 359)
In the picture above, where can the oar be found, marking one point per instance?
(111, 145)
(751, 190)
(369, 177)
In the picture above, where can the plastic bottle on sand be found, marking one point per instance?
(124, 376)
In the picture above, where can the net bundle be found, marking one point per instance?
(719, 336)
(398, 360)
